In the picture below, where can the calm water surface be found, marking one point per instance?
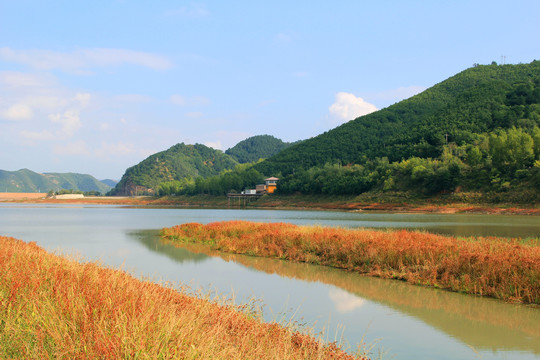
(408, 322)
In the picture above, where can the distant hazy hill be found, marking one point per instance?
(25, 180)
(256, 147)
(476, 101)
(109, 182)
(178, 162)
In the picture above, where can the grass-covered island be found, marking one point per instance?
(506, 269)
(52, 307)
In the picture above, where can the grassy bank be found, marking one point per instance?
(53, 307)
(495, 267)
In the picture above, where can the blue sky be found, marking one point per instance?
(96, 86)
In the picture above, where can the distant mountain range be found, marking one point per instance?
(109, 182)
(25, 180)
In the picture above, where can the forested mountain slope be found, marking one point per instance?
(25, 180)
(256, 147)
(476, 101)
(476, 134)
(179, 162)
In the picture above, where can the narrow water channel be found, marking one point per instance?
(405, 321)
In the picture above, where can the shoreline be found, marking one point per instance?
(294, 202)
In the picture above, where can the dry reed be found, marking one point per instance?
(507, 269)
(54, 307)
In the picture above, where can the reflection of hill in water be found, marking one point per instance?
(150, 239)
(484, 324)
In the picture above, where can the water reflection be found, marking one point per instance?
(150, 239)
(483, 324)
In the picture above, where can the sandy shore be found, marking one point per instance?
(21, 196)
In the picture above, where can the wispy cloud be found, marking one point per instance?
(17, 112)
(81, 60)
(181, 100)
(14, 79)
(37, 135)
(72, 148)
(69, 123)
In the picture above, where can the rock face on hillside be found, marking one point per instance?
(179, 162)
(129, 188)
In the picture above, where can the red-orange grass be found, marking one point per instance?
(55, 308)
(506, 269)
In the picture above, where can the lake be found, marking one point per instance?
(404, 321)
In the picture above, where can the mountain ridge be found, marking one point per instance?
(420, 125)
(25, 180)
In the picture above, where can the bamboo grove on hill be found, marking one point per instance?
(54, 307)
(507, 269)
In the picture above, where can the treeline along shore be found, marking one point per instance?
(506, 269)
(52, 307)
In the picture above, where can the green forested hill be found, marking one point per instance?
(175, 164)
(256, 147)
(476, 134)
(476, 101)
(25, 180)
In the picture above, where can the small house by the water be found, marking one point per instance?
(270, 184)
(268, 187)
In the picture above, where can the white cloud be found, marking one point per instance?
(347, 107)
(214, 145)
(344, 301)
(83, 99)
(17, 112)
(69, 121)
(83, 58)
(16, 79)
